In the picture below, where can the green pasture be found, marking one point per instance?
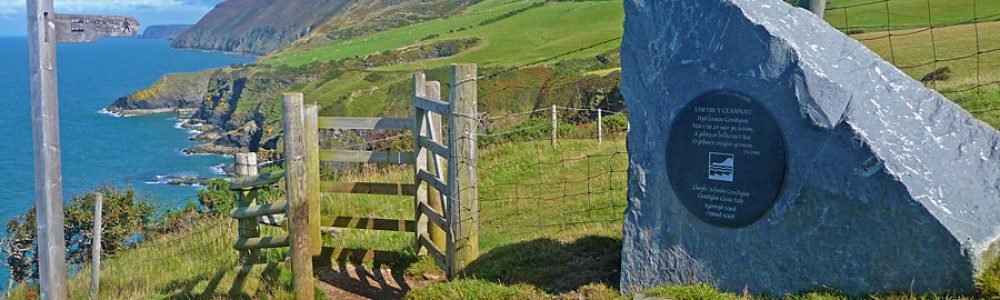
(535, 33)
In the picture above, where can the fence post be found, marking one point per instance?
(420, 160)
(246, 165)
(434, 199)
(463, 200)
(817, 7)
(95, 246)
(311, 126)
(555, 125)
(600, 126)
(297, 194)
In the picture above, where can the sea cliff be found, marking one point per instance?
(163, 32)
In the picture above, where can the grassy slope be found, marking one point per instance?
(199, 263)
(531, 35)
(536, 33)
(505, 220)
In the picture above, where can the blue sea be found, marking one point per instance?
(99, 149)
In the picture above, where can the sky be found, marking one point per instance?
(149, 12)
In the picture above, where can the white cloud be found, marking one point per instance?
(9, 8)
(82, 6)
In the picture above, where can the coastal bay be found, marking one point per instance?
(99, 148)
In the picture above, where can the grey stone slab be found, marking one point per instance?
(889, 185)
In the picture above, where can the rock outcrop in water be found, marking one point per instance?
(172, 92)
(889, 186)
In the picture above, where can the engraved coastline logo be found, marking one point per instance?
(721, 166)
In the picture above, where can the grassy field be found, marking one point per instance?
(530, 35)
(912, 52)
(905, 14)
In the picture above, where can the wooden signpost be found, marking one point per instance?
(87, 28)
(818, 7)
(45, 29)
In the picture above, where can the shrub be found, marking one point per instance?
(125, 217)
(216, 198)
(615, 123)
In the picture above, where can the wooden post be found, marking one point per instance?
(95, 246)
(436, 166)
(600, 127)
(47, 154)
(817, 7)
(311, 124)
(246, 165)
(420, 160)
(463, 200)
(555, 125)
(297, 194)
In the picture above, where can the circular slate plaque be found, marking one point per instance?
(726, 159)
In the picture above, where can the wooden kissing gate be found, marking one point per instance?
(446, 206)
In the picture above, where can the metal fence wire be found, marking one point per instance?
(952, 46)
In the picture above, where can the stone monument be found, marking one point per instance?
(771, 152)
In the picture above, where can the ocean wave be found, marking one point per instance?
(191, 131)
(168, 178)
(159, 179)
(183, 151)
(105, 111)
(219, 169)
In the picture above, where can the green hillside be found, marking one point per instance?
(524, 31)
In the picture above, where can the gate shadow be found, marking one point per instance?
(551, 265)
(346, 270)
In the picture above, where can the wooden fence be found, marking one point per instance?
(446, 221)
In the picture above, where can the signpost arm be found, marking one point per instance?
(818, 7)
(48, 167)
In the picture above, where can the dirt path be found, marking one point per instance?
(361, 282)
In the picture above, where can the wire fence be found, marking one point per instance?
(952, 46)
(545, 179)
